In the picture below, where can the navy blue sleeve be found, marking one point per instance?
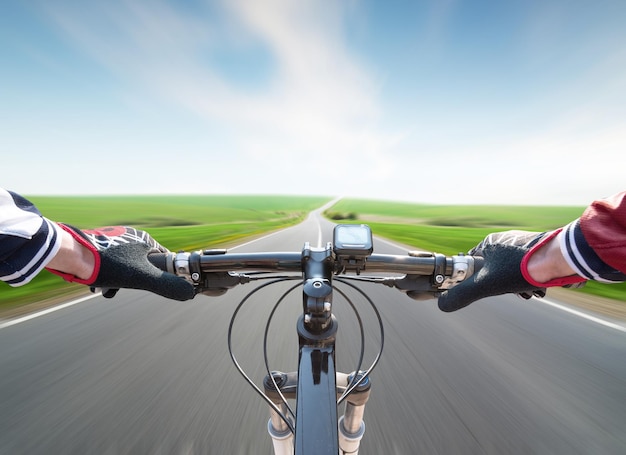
(584, 259)
(28, 241)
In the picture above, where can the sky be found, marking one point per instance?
(443, 101)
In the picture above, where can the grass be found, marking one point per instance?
(167, 211)
(454, 229)
(177, 222)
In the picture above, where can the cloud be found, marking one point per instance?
(319, 104)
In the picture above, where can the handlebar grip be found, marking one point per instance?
(479, 261)
(163, 261)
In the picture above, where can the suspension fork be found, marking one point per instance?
(351, 426)
(279, 430)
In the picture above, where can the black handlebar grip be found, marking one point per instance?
(479, 261)
(163, 261)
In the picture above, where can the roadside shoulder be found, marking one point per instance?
(600, 306)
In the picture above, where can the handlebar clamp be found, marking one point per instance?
(462, 267)
(439, 273)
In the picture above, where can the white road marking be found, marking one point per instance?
(47, 311)
(319, 233)
(582, 314)
(255, 240)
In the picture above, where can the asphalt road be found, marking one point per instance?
(139, 374)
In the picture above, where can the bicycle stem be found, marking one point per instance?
(317, 293)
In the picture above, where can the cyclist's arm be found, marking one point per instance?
(73, 258)
(592, 246)
(548, 263)
(28, 241)
(595, 244)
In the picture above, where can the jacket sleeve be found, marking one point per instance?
(595, 244)
(28, 241)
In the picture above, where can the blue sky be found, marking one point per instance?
(449, 101)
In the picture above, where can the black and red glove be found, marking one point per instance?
(505, 270)
(121, 261)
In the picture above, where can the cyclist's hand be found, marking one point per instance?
(121, 256)
(504, 271)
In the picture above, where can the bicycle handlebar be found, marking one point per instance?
(214, 271)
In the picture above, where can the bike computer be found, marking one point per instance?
(352, 240)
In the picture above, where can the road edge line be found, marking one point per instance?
(19, 320)
(582, 314)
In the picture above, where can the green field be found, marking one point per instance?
(453, 229)
(196, 222)
(177, 222)
(183, 222)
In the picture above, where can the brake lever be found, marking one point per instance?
(217, 283)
